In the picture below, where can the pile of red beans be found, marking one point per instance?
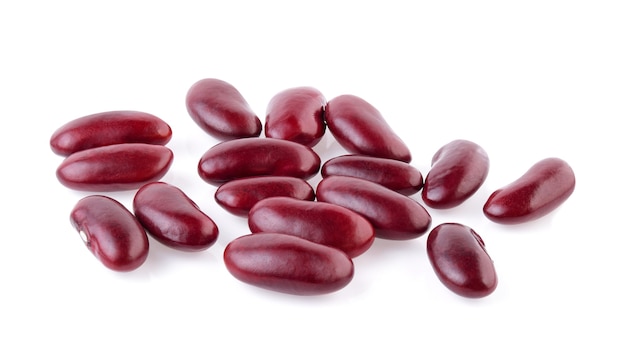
(302, 239)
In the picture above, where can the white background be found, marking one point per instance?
(526, 80)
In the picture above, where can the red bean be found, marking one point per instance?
(393, 215)
(115, 167)
(543, 188)
(458, 170)
(296, 114)
(221, 111)
(238, 196)
(288, 264)
(110, 232)
(248, 157)
(393, 174)
(458, 256)
(320, 222)
(172, 218)
(360, 128)
(109, 128)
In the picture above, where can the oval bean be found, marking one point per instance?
(539, 191)
(110, 232)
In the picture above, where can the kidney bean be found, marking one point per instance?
(458, 256)
(221, 111)
(110, 232)
(458, 170)
(393, 174)
(109, 128)
(248, 157)
(288, 264)
(172, 218)
(543, 188)
(239, 195)
(360, 128)
(296, 114)
(115, 167)
(393, 215)
(320, 222)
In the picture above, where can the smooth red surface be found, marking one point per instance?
(320, 222)
(172, 218)
(116, 167)
(458, 170)
(109, 128)
(393, 174)
(238, 196)
(539, 191)
(221, 111)
(113, 234)
(257, 156)
(288, 264)
(393, 215)
(296, 114)
(360, 128)
(460, 261)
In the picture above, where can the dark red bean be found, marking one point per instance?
(360, 128)
(320, 222)
(238, 196)
(458, 256)
(393, 174)
(458, 170)
(543, 188)
(393, 215)
(110, 232)
(248, 157)
(116, 167)
(109, 128)
(172, 218)
(288, 264)
(296, 114)
(221, 111)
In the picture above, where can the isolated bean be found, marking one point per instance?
(109, 128)
(393, 174)
(110, 232)
(296, 114)
(248, 157)
(361, 129)
(458, 170)
(543, 188)
(320, 222)
(239, 195)
(115, 167)
(288, 264)
(172, 218)
(458, 256)
(393, 215)
(221, 111)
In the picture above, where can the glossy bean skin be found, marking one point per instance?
(539, 191)
(361, 129)
(393, 215)
(320, 222)
(296, 114)
(116, 167)
(393, 174)
(172, 218)
(238, 196)
(221, 110)
(110, 232)
(458, 256)
(109, 128)
(288, 264)
(249, 157)
(458, 170)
